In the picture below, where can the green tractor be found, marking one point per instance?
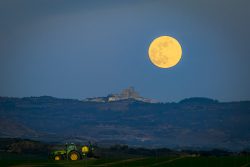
(71, 152)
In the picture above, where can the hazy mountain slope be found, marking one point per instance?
(195, 122)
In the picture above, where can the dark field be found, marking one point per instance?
(16, 160)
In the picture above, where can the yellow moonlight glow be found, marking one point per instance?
(165, 52)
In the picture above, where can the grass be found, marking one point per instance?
(15, 160)
(229, 161)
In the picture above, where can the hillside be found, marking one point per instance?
(194, 122)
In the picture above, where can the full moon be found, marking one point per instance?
(165, 52)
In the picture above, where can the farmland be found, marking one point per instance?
(10, 160)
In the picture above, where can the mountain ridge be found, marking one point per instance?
(191, 122)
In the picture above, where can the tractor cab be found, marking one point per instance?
(70, 147)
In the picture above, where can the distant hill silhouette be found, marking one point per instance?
(198, 100)
(193, 122)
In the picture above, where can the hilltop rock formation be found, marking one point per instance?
(128, 93)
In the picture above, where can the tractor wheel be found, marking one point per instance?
(74, 155)
(57, 157)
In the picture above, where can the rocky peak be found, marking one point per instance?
(129, 93)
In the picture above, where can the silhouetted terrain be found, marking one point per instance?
(42, 149)
(194, 122)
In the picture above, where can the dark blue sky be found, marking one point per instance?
(79, 49)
